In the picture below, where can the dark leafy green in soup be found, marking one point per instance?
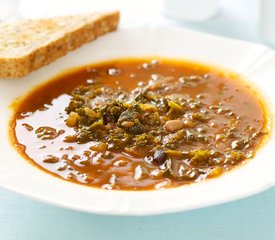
(140, 124)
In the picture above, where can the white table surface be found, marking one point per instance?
(250, 218)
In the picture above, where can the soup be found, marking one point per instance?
(139, 124)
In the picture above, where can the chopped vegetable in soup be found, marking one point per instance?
(139, 124)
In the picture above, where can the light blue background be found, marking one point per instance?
(252, 218)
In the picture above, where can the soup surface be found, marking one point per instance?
(139, 124)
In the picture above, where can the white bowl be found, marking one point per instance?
(256, 63)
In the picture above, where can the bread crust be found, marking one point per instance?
(20, 61)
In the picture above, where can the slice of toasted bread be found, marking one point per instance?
(28, 45)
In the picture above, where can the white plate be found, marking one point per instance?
(254, 62)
